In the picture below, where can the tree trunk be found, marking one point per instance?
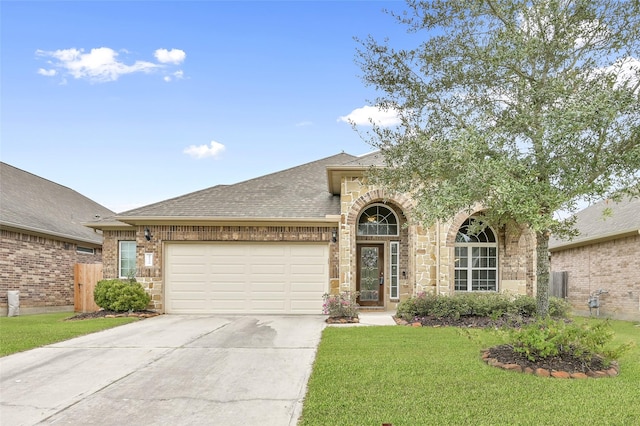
(542, 273)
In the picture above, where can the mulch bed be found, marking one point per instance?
(103, 313)
(342, 320)
(504, 356)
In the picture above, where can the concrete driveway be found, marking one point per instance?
(170, 370)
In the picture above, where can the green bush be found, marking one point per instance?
(494, 305)
(121, 296)
(549, 338)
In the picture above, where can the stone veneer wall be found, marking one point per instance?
(152, 277)
(613, 266)
(41, 269)
(516, 255)
(416, 244)
(430, 252)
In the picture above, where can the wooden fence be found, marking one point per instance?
(559, 284)
(86, 276)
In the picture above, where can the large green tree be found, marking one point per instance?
(526, 107)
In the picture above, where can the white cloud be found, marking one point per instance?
(173, 56)
(304, 124)
(204, 151)
(47, 73)
(366, 114)
(103, 64)
(178, 75)
(627, 72)
(99, 65)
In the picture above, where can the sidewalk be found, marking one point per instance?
(371, 318)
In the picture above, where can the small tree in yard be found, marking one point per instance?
(527, 108)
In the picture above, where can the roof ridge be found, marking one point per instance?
(237, 184)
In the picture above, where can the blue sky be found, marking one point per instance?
(131, 103)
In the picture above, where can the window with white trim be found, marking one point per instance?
(394, 288)
(476, 259)
(378, 219)
(127, 259)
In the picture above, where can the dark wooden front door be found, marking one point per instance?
(370, 282)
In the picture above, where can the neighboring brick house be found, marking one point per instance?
(605, 256)
(42, 237)
(277, 243)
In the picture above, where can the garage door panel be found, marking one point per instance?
(268, 287)
(226, 287)
(188, 304)
(264, 306)
(306, 287)
(268, 269)
(246, 277)
(308, 269)
(191, 287)
(303, 307)
(226, 306)
(231, 279)
(227, 268)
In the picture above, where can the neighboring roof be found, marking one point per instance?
(36, 205)
(296, 194)
(594, 226)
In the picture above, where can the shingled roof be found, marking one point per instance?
(295, 194)
(595, 226)
(36, 205)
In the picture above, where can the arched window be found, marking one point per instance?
(378, 219)
(476, 259)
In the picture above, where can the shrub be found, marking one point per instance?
(121, 296)
(340, 305)
(494, 305)
(559, 308)
(549, 338)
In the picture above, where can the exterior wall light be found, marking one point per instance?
(334, 236)
(147, 234)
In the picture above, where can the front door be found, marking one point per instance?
(370, 283)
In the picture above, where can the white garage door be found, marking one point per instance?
(282, 278)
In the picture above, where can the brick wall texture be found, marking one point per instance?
(40, 268)
(613, 266)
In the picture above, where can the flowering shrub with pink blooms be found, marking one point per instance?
(340, 305)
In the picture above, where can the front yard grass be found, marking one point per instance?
(26, 332)
(434, 376)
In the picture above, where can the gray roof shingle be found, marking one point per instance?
(374, 158)
(593, 224)
(298, 192)
(35, 204)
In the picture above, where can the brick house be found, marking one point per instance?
(277, 243)
(606, 255)
(42, 237)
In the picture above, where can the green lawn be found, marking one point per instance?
(31, 331)
(434, 376)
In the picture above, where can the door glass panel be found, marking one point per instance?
(369, 274)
